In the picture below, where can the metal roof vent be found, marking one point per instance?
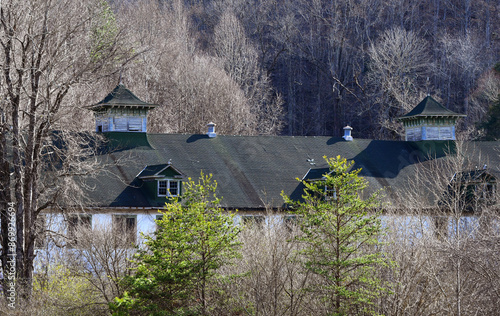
(211, 129)
(347, 133)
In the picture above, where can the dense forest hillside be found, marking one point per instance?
(304, 67)
(253, 67)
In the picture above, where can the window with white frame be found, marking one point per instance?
(168, 188)
(257, 220)
(330, 193)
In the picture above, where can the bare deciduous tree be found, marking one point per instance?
(191, 86)
(271, 280)
(443, 236)
(43, 56)
(398, 68)
(240, 60)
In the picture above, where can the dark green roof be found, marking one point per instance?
(121, 97)
(123, 141)
(429, 107)
(252, 171)
(149, 171)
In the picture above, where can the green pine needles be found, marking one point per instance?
(194, 238)
(340, 236)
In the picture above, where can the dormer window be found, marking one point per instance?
(319, 175)
(168, 188)
(161, 181)
(473, 187)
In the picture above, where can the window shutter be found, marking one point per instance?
(120, 124)
(135, 124)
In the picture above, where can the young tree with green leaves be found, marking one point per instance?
(194, 238)
(340, 233)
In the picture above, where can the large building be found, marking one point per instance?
(253, 171)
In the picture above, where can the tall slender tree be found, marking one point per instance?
(340, 233)
(42, 56)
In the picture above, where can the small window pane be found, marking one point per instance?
(162, 188)
(174, 185)
(120, 124)
(330, 193)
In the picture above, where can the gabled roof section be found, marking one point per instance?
(121, 97)
(158, 171)
(430, 107)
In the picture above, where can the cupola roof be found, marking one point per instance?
(429, 107)
(121, 97)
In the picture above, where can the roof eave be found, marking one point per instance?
(98, 107)
(402, 118)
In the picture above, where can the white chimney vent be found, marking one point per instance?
(347, 133)
(211, 129)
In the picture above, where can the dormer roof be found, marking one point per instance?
(160, 171)
(121, 97)
(429, 107)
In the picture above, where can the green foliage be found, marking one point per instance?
(62, 293)
(193, 239)
(492, 125)
(104, 31)
(340, 237)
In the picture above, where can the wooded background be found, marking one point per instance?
(303, 67)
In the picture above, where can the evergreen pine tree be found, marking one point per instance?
(340, 236)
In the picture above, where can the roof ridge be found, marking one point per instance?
(430, 107)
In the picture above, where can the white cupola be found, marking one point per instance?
(429, 120)
(121, 111)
